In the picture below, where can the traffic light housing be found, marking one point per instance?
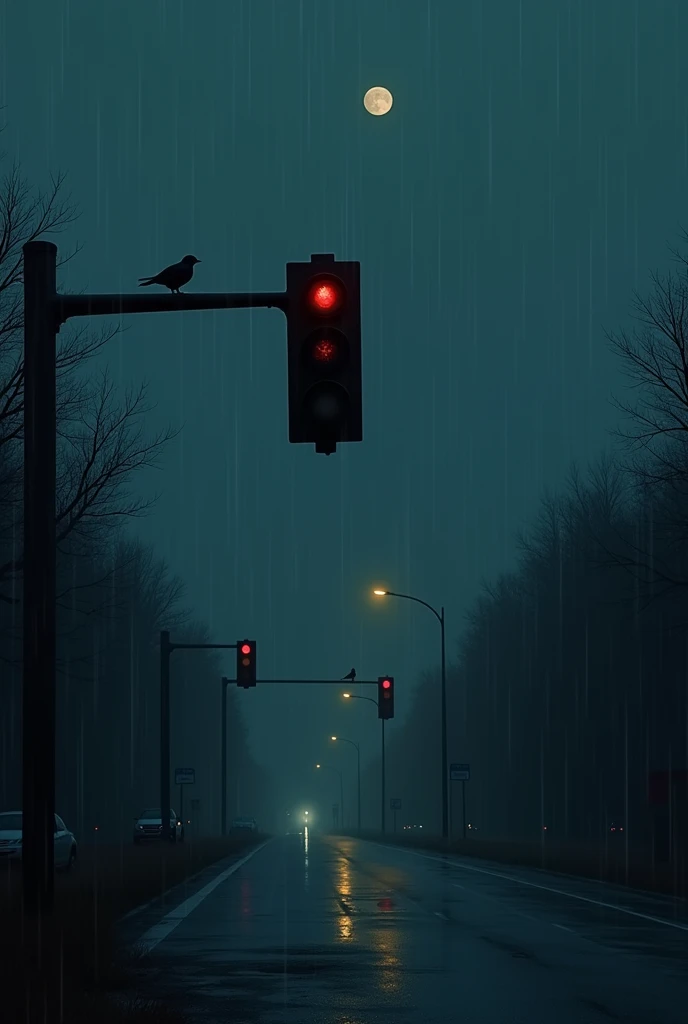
(246, 663)
(324, 352)
(385, 697)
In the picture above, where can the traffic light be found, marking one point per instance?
(385, 697)
(246, 663)
(324, 352)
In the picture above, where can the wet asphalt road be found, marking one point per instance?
(339, 931)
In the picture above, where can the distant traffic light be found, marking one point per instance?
(385, 697)
(324, 352)
(246, 663)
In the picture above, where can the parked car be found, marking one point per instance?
(243, 825)
(148, 827)
(11, 834)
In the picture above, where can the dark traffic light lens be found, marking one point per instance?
(246, 662)
(325, 296)
(326, 403)
(325, 351)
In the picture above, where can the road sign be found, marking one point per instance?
(184, 776)
(460, 772)
(395, 803)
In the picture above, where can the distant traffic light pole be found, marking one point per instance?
(245, 677)
(445, 767)
(341, 739)
(45, 310)
(166, 648)
(356, 696)
(223, 758)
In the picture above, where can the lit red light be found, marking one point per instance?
(245, 648)
(324, 351)
(324, 296)
(386, 684)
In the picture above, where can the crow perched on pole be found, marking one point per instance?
(351, 675)
(173, 277)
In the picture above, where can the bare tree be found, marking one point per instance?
(102, 440)
(654, 355)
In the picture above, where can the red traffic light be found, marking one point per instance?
(245, 648)
(386, 684)
(325, 295)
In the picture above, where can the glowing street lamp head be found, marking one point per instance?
(346, 695)
(317, 766)
(333, 737)
(306, 813)
(380, 593)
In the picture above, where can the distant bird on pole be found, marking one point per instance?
(351, 675)
(173, 277)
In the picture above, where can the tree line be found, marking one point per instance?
(114, 593)
(569, 685)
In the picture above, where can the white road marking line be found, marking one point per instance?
(564, 928)
(443, 916)
(535, 885)
(154, 936)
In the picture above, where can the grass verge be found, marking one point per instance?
(614, 862)
(73, 971)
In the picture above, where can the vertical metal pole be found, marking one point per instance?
(39, 582)
(223, 759)
(445, 782)
(181, 804)
(165, 650)
(358, 754)
(463, 806)
(383, 777)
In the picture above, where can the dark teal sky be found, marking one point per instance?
(526, 181)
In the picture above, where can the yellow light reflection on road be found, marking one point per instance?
(345, 921)
(305, 857)
(389, 972)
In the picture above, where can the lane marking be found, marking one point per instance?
(535, 885)
(564, 928)
(154, 936)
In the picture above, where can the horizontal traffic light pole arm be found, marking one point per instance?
(319, 682)
(67, 306)
(201, 647)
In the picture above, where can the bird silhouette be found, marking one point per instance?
(173, 277)
(351, 675)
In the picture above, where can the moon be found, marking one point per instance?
(378, 101)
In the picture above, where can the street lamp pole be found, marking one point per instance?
(341, 786)
(341, 739)
(439, 615)
(355, 696)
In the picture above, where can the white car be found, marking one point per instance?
(148, 826)
(11, 840)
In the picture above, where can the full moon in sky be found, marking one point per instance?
(378, 100)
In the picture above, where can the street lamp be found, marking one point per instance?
(379, 592)
(355, 696)
(358, 762)
(341, 786)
